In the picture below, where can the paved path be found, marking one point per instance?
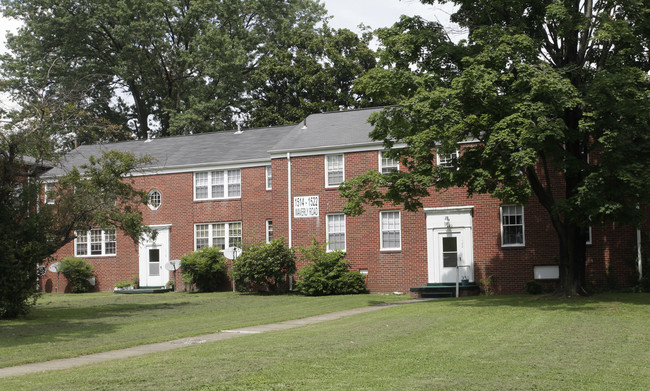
(179, 343)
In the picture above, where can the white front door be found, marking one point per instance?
(154, 254)
(449, 245)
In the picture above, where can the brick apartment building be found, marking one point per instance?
(240, 188)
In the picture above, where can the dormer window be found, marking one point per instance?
(155, 199)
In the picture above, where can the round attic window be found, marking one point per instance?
(155, 199)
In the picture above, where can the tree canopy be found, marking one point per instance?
(31, 231)
(554, 95)
(167, 67)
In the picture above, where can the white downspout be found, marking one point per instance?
(638, 254)
(289, 206)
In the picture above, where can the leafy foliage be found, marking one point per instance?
(78, 272)
(554, 95)
(185, 66)
(264, 266)
(205, 267)
(89, 196)
(328, 273)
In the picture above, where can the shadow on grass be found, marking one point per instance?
(58, 325)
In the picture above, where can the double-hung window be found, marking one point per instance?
(269, 178)
(95, 242)
(334, 170)
(269, 231)
(336, 232)
(512, 225)
(447, 161)
(217, 184)
(48, 197)
(391, 230)
(221, 235)
(387, 164)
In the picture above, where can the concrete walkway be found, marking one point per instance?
(179, 343)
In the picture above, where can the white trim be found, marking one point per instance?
(226, 231)
(523, 227)
(444, 208)
(380, 166)
(268, 170)
(327, 231)
(209, 185)
(266, 227)
(445, 164)
(336, 149)
(148, 171)
(149, 199)
(381, 232)
(88, 243)
(327, 179)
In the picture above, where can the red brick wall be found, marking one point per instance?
(610, 257)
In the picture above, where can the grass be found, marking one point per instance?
(72, 325)
(482, 343)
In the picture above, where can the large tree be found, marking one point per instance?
(94, 195)
(555, 94)
(316, 75)
(187, 66)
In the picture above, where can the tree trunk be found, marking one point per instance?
(572, 261)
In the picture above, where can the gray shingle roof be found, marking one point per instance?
(335, 129)
(203, 149)
(340, 129)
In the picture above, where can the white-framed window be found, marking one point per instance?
(269, 231)
(48, 188)
(334, 170)
(155, 199)
(335, 232)
(95, 242)
(447, 161)
(211, 185)
(269, 178)
(391, 230)
(221, 235)
(512, 225)
(387, 164)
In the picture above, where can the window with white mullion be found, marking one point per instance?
(96, 242)
(387, 164)
(391, 230)
(512, 225)
(217, 184)
(269, 231)
(336, 232)
(269, 178)
(220, 235)
(334, 170)
(447, 161)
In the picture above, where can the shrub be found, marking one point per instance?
(533, 287)
(123, 284)
(328, 274)
(205, 267)
(264, 267)
(77, 271)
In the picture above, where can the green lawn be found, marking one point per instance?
(72, 325)
(482, 343)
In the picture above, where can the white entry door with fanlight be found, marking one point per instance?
(449, 244)
(154, 254)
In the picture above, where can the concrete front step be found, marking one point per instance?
(439, 290)
(145, 289)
